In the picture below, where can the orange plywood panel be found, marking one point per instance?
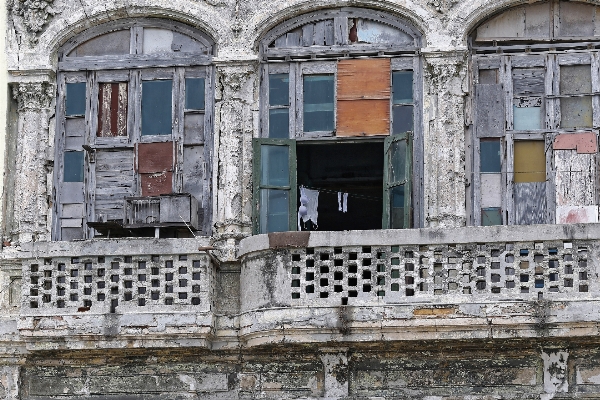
(363, 117)
(364, 79)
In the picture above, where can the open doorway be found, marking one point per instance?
(354, 168)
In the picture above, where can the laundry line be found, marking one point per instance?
(350, 194)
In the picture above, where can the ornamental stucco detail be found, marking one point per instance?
(30, 16)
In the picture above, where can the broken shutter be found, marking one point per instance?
(155, 166)
(397, 193)
(363, 97)
(274, 185)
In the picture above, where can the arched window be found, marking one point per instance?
(134, 129)
(340, 124)
(537, 113)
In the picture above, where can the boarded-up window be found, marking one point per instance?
(363, 90)
(318, 95)
(155, 166)
(112, 109)
(576, 111)
(528, 90)
(530, 182)
(73, 166)
(490, 168)
(530, 161)
(75, 102)
(157, 106)
(194, 94)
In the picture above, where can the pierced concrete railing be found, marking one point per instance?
(440, 266)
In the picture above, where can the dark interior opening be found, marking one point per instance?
(353, 168)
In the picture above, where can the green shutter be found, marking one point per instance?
(397, 176)
(275, 191)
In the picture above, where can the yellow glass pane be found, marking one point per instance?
(530, 161)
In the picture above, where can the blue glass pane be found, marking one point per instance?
(397, 205)
(527, 118)
(157, 103)
(398, 162)
(73, 168)
(402, 87)
(275, 165)
(194, 93)
(491, 216)
(403, 119)
(279, 89)
(75, 104)
(279, 123)
(274, 210)
(489, 151)
(318, 103)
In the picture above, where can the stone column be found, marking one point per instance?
(445, 81)
(9, 382)
(236, 118)
(30, 171)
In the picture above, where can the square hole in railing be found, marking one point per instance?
(183, 270)
(324, 295)
(352, 293)
(338, 288)
(524, 289)
(295, 295)
(395, 273)
(74, 272)
(495, 290)
(380, 255)
(480, 285)
(568, 283)
(568, 269)
(101, 271)
(395, 287)
(553, 289)
(168, 288)
(33, 304)
(582, 251)
(183, 283)
(583, 276)
(452, 286)
(424, 260)
(195, 288)
(101, 260)
(409, 280)
(552, 263)
(524, 278)
(524, 265)
(310, 288)
(352, 256)
(553, 251)
(409, 267)
(568, 257)
(510, 284)
(142, 278)
(366, 262)
(423, 287)
(101, 296)
(34, 280)
(495, 265)
(582, 263)
(438, 292)
(395, 261)
(324, 269)
(74, 285)
(196, 276)
(338, 262)
(438, 267)
(87, 279)
(295, 282)
(60, 304)
(295, 270)
(481, 259)
(424, 273)
(61, 267)
(196, 300)
(337, 250)
(366, 287)
(114, 290)
(310, 276)
(48, 274)
(495, 253)
(168, 301)
(196, 264)
(73, 297)
(155, 258)
(583, 288)
(155, 283)
(141, 290)
(182, 295)
(154, 295)
(128, 296)
(380, 293)
(75, 260)
(344, 301)
(47, 261)
(539, 283)
(366, 274)
(352, 268)
(87, 291)
(310, 263)
(553, 276)
(169, 264)
(538, 258)
(495, 278)
(183, 257)
(141, 302)
(480, 271)
(352, 281)
(34, 292)
(114, 278)
(61, 279)
(338, 275)
(539, 270)
(101, 284)
(324, 256)
(380, 268)
(128, 284)
(114, 265)
(323, 282)
(60, 291)
(366, 249)
(467, 290)
(310, 250)
(47, 285)
(127, 259)
(381, 280)
(87, 303)
(295, 257)
(169, 276)
(88, 266)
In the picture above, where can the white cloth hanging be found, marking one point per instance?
(342, 202)
(309, 203)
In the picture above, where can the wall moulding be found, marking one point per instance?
(33, 96)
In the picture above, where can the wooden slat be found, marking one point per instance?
(489, 110)
(529, 161)
(530, 203)
(575, 178)
(157, 183)
(363, 117)
(155, 157)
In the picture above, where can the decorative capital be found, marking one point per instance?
(442, 6)
(33, 95)
(32, 15)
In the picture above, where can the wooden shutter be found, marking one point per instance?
(363, 97)
(397, 179)
(155, 165)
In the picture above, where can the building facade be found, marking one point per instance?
(215, 199)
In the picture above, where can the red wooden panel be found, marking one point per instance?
(584, 143)
(363, 117)
(154, 157)
(112, 109)
(157, 183)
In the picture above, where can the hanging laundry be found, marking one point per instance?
(308, 210)
(342, 202)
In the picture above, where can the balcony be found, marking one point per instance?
(107, 293)
(478, 282)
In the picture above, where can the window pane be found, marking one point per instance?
(403, 119)
(527, 118)
(279, 123)
(157, 103)
(279, 90)
(491, 216)
(488, 76)
(489, 153)
(275, 168)
(398, 162)
(575, 79)
(397, 207)
(194, 93)
(576, 112)
(73, 168)
(274, 210)
(75, 104)
(402, 87)
(530, 161)
(112, 109)
(318, 103)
